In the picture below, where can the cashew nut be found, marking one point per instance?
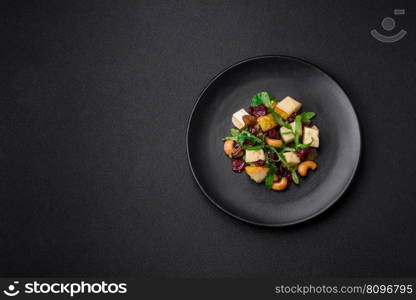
(280, 185)
(237, 152)
(229, 147)
(305, 166)
(273, 142)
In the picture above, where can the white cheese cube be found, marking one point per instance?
(289, 105)
(254, 155)
(291, 158)
(311, 136)
(237, 118)
(293, 127)
(286, 134)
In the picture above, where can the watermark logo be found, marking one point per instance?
(68, 288)
(388, 25)
(12, 289)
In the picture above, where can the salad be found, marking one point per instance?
(274, 142)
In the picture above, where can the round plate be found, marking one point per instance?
(281, 76)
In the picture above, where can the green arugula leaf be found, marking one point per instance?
(271, 148)
(303, 146)
(306, 116)
(282, 159)
(298, 128)
(234, 135)
(266, 158)
(263, 97)
(266, 99)
(234, 132)
(278, 118)
(256, 100)
(295, 177)
(288, 149)
(270, 176)
(241, 137)
(245, 135)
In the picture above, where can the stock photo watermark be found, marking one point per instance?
(67, 288)
(389, 24)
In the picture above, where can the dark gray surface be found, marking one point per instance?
(94, 101)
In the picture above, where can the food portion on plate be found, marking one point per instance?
(273, 142)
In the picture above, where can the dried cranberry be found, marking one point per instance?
(280, 170)
(258, 111)
(259, 163)
(238, 165)
(252, 130)
(292, 117)
(288, 176)
(302, 154)
(248, 143)
(273, 134)
(273, 156)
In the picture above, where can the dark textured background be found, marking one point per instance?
(94, 102)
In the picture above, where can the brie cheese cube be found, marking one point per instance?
(311, 136)
(291, 158)
(286, 134)
(266, 122)
(237, 118)
(289, 105)
(254, 155)
(258, 174)
(293, 127)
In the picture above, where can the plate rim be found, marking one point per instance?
(283, 224)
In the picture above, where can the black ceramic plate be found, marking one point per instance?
(235, 193)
